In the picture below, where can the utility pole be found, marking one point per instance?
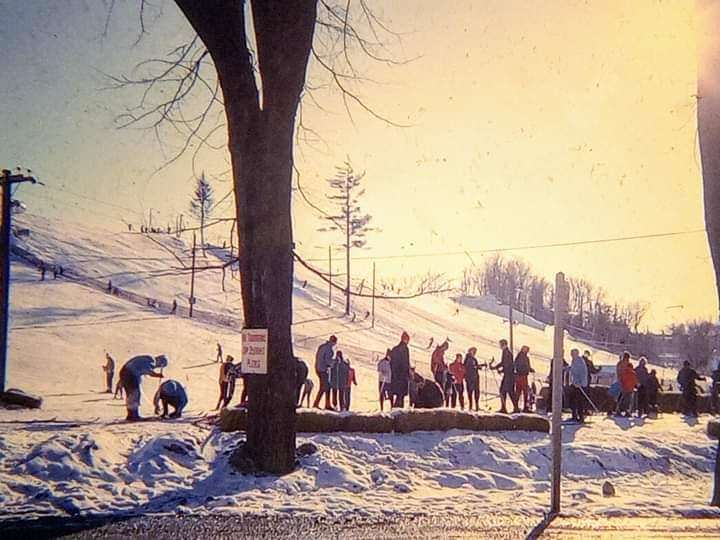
(150, 217)
(6, 181)
(373, 298)
(347, 244)
(557, 389)
(192, 279)
(510, 317)
(330, 274)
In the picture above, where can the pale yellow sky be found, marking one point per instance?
(532, 122)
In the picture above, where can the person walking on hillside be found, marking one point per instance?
(457, 370)
(219, 353)
(323, 361)
(642, 374)
(170, 393)
(223, 380)
(507, 385)
(522, 372)
(438, 367)
(578, 381)
(109, 369)
(400, 370)
(130, 377)
(384, 379)
(472, 378)
(686, 379)
(592, 370)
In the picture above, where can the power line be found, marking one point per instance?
(93, 199)
(523, 248)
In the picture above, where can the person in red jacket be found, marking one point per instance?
(457, 370)
(438, 367)
(628, 381)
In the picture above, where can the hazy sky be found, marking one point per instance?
(532, 122)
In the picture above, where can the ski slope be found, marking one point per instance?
(76, 455)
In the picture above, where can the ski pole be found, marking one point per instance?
(588, 398)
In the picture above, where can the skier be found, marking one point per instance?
(592, 370)
(384, 379)
(507, 384)
(307, 390)
(578, 381)
(457, 369)
(472, 378)
(686, 379)
(223, 380)
(642, 376)
(109, 369)
(400, 369)
(130, 377)
(301, 375)
(438, 367)
(323, 361)
(171, 393)
(219, 353)
(522, 371)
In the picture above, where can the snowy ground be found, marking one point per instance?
(87, 460)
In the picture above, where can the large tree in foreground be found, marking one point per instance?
(261, 127)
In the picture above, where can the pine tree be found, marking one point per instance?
(201, 205)
(349, 220)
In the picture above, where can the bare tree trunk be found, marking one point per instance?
(347, 245)
(261, 146)
(708, 112)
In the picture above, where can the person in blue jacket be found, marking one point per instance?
(130, 377)
(171, 393)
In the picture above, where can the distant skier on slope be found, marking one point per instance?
(130, 378)
(171, 393)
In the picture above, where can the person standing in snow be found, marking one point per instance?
(323, 361)
(223, 380)
(628, 381)
(472, 378)
(170, 393)
(457, 370)
(652, 388)
(109, 369)
(507, 385)
(42, 269)
(641, 372)
(334, 381)
(578, 381)
(384, 379)
(307, 391)
(350, 382)
(438, 367)
(232, 376)
(130, 377)
(686, 379)
(400, 370)
(522, 372)
(219, 353)
(301, 375)
(592, 370)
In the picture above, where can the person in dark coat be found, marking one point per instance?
(109, 369)
(171, 393)
(686, 379)
(429, 394)
(652, 389)
(522, 372)
(507, 385)
(301, 375)
(715, 390)
(472, 378)
(642, 375)
(130, 377)
(592, 369)
(400, 369)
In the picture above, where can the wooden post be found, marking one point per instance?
(330, 274)
(4, 273)
(510, 317)
(192, 279)
(372, 325)
(557, 390)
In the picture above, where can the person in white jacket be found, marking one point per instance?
(384, 379)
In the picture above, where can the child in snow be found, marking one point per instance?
(307, 390)
(384, 379)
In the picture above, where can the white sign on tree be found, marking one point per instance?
(254, 351)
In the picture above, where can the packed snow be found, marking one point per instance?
(76, 455)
